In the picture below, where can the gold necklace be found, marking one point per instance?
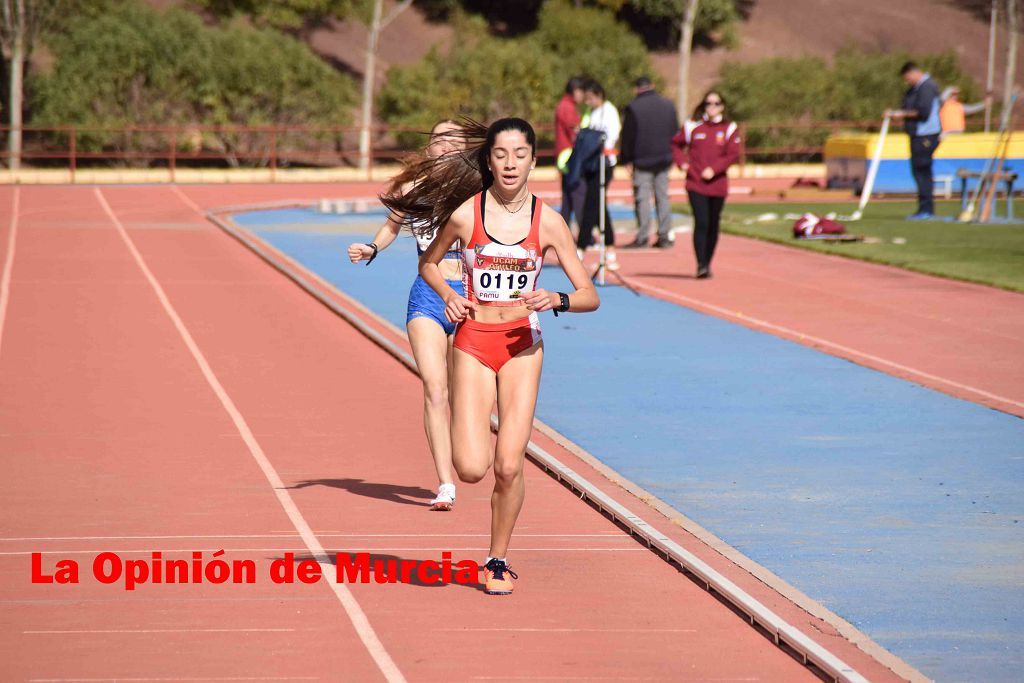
(505, 206)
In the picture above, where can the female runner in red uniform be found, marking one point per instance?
(483, 202)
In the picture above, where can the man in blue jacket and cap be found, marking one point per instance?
(920, 113)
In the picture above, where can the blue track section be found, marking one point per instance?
(896, 506)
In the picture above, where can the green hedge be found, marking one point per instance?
(485, 77)
(134, 65)
(856, 86)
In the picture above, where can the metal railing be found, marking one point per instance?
(279, 146)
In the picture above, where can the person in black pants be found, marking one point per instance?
(646, 153)
(920, 112)
(602, 117)
(705, 148)
(707, 215)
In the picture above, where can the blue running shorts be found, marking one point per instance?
(425, 303)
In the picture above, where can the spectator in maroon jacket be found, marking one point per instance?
(705, 149)
(567, 123)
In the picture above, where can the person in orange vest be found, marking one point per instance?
(953, 112)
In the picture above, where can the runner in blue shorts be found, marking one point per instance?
(430, 333)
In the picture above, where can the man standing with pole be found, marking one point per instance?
(920, 112)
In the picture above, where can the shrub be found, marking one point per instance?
(137, 66)
(857, 86)
(487, 77)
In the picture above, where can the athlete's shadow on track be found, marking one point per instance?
(386, 561)
(392, 493)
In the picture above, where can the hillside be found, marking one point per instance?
(774, 28)
(820, 27)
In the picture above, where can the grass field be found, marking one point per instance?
(987, 254)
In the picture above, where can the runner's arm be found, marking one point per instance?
(584, 299)
(456, 305)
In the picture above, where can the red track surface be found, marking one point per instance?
(113, 438)
(748, 189)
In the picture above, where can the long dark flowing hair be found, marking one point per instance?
(438, 186)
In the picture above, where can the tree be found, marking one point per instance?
(135, 66)
(487, 77)
(1013, 26)
(858, 86)
(375, 26)
(297, 14)
(283, 14)
(685, 48)
(689, 18)
(23, 21)
(481, 76)
(591, 42)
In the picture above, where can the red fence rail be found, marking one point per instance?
(273, 147)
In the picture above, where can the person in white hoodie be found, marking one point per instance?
(603, 116)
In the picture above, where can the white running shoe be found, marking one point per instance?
(445, 498)
(611, 261)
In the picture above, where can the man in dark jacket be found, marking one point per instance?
(646, 150)
(920, 112)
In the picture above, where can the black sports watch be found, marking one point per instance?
(373, 246)
(563, 303)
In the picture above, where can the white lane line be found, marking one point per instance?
(168, 630)
(191, 204)
(355, 613)
(5, 278)
(613, 535)
(800, 336)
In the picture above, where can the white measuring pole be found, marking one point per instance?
(869, 181)
(600, 222)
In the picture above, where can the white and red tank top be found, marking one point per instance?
(498, 274)
(423, 243)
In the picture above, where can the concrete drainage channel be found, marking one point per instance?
(760, 616)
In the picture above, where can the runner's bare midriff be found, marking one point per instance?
(499, 314)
